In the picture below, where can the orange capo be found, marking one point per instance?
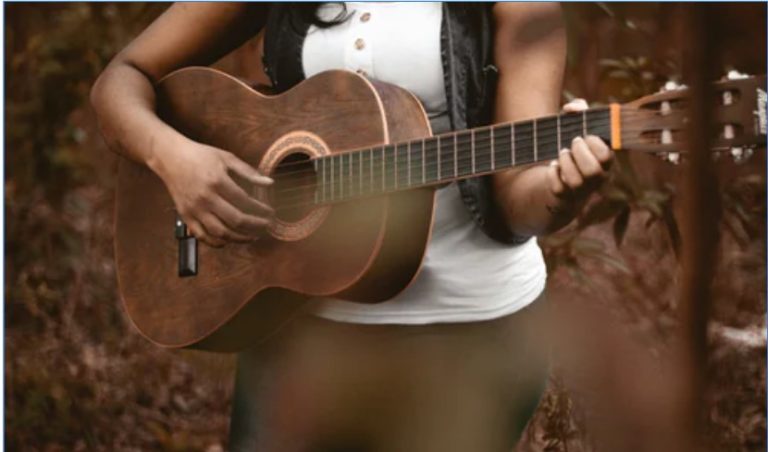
(615, 126)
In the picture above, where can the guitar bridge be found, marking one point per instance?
(187, 265)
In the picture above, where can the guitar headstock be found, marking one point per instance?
(656, 123)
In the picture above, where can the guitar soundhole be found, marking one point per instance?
(293, 193)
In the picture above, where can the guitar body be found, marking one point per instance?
(364, 250)
(352, 222)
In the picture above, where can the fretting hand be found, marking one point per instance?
(578, 170)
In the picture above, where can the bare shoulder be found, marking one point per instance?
(528, 18)
(192, 33)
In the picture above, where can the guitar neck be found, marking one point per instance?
(452, 156)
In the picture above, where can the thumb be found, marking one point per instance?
(575, 105)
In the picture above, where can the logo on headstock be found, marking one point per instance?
(761, 113)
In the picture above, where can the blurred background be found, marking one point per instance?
(78, 377)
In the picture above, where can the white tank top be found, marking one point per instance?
(465, 275)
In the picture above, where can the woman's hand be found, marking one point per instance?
(579, 170)
(215, 208)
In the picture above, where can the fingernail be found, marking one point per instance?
(564, 151)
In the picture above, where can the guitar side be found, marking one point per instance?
(365, 250)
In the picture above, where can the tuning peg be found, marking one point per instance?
(741, 154)
(672, 85)
(671, 157)
(735, 75)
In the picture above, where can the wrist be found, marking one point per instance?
(164, 154)
(565, 206)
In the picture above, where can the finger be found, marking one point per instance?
(238, 197)
(553, 178)
(199, 233)
(218, 230)
(600, 149)
(239, 222)
(587, 163)
(575, 105)
(569, 173)
(246, 171)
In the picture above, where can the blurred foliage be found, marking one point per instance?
(79, 378)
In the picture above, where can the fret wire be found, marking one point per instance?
(583, 123)
(535, 144)
(472, 147)
(439, 158)
(383, 170)
(370, 151)
(395, 168)
(349, 174)
(314, 165)
(455, 155)
(333, 185)
(352, 173)
(559, 144)
(409, 163)
(318, 187)
(341, 176)
(423, 161)
(325, 182)
(402, 173)
(493, 157)
(346, 160)
(360, 171)
(512, 139)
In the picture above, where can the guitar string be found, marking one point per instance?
(524, 145)
(388, 184)
(527, 123)
(432, 141)
(484, 134)
(480, 159)
(307, 166)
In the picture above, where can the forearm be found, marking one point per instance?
(530, 53)
(186, 34)
(529, 206)
(124, 100)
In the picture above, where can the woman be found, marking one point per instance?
(454, 362)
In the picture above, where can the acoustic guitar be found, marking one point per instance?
(355, 168)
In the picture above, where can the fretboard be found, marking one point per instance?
(452, 156)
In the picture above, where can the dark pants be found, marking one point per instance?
(328, 386)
